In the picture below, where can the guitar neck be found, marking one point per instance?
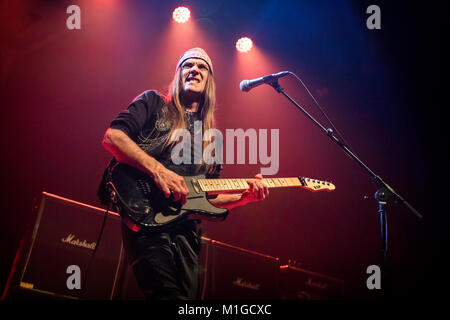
(239, 185)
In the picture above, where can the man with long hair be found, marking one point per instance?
(165, 262)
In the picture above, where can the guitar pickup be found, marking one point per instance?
(195, 185)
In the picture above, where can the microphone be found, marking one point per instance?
(247, 85)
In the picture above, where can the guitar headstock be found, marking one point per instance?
(316, 185)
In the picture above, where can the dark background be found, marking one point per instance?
(61, 88)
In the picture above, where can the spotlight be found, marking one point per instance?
(244, 44)
(181, 14)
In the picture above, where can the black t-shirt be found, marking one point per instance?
(147, 123)
(144, 121)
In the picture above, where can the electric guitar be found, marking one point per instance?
(141, 201)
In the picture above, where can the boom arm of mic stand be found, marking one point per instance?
(384, 191)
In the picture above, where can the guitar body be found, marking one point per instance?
(141, 201)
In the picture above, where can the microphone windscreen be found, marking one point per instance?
(244, 85)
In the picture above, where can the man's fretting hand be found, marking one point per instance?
(257, 191)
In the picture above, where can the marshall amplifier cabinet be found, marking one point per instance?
(52, 263)
(301, 284)
(54, 259)
(237, 273)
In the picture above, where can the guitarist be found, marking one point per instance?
(165, 262)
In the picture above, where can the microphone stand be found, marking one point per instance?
(383, 193)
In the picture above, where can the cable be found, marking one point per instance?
(97, 245)
(324, 114)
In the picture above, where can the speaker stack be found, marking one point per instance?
(50, 261)
(238, 273)
(65, 235)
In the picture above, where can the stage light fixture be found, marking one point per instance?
(244, 44)
(181, 14)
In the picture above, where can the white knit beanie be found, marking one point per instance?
(197, 53)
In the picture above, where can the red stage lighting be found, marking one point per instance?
(181, 14)
(244, 44)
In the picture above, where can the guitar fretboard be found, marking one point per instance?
(209, 185)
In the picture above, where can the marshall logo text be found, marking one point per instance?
(70, 239)
(246, 284)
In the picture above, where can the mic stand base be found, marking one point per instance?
(385, 277)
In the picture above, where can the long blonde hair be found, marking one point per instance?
(176, 110)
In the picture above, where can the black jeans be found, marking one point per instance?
(165, 263)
